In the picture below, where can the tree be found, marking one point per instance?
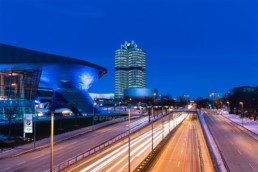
(202, 103)
(10, 112)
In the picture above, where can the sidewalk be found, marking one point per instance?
(245, 122)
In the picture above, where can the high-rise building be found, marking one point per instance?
(129, 68)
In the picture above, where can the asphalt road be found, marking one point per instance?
(116, 158)
(40, 160)
(239, 150)
(181, 153)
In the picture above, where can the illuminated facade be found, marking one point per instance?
(140, 94)
(130, 65)
(22, 71)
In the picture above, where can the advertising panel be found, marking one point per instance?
(28, 123)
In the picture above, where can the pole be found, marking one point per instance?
(93, 117)
(152, 132)
(169, 120)
(242, 113)
(35, 118)
(162, 123)
(52, 142)
(129, 150)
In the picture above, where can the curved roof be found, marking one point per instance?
(12, 54)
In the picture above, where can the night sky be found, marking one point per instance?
(192, 47)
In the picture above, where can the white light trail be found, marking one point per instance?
(145, 141)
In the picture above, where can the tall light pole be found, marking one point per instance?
(154, 97)
(228, 106)
(93, 111)
(52, 142)
(35, 122)
(129, 139)
(162, 123)
(212, 95)
(168, 118)
(52, 135)
(242, 104)
(152, 130)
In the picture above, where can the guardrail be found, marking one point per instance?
(89, 152)
(144, 165)
(219, 167)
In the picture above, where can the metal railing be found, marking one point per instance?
(101, 146)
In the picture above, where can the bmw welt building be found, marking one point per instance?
(60, 81)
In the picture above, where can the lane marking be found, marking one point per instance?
(239, 152)
(178, 164)
(38, 156)
(21, 163)
(251, 166)
(6, 169)
(73, 142)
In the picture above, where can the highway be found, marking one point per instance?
(182, 152)
(239, 150)
(116, 158)
(39, 160)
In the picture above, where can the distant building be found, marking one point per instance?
(129, 68)
(245, 89)
(140, 94)
(215, 95)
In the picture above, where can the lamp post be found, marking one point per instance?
(35, 122)
(162, 123)
(169, 121)
(228, 106)
(129, 137)
(152, 130)
(212, 95)
(62, 110)
(93, 111)
(242, 104)
(52, 142)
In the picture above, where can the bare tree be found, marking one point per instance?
(10, 113)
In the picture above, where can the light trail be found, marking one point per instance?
(139, 146)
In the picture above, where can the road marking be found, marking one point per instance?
(251, 166)
(73, 142)
(6, 169)
(178, 164)
(21, 163)
(38, 156)
(239, 152)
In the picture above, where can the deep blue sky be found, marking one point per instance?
(192, 46)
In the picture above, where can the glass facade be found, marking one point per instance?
(130, 65)
(22, 71)
(18, 89)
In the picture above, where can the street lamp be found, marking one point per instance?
(154, 97)
(52, 142)
(129, 139)
(228, 105)
(212, 98)
(93, 111)
(62, 110)
(152, 131)
(35, 119)
(242, 104)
